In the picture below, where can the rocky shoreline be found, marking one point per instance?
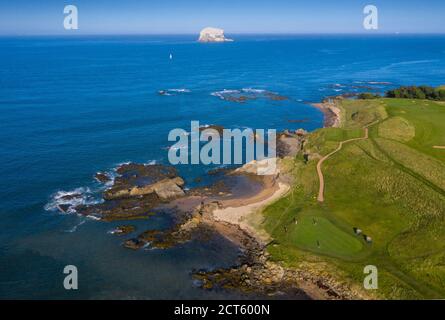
(331, 111)
(138, 191)
(256, 273)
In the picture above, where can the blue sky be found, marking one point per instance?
(27, 17)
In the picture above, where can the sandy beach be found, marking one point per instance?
(238, 211)
(331, 113)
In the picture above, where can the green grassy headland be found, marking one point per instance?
(391, 186)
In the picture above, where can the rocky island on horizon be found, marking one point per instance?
(211, 34)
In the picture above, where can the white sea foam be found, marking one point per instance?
(179, 90)
(146, 245)
(223, 93)
(252, 90)
(71, 199)
(74, 228)
(379, 82)
(111, 177)
(126, 163)
(172, 92)
(120, 164)
(93, 217)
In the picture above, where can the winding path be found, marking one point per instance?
(320, 197)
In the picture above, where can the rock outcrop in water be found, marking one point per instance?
(165, 189)
(137, 189)
(123, 230)
(248, 94)
(210, 34)
(140, 180)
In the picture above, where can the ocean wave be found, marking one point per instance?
(147, 245)
(244, 94)
(92, 217)
(403, 63)
(252, 90)
(172, 92)
(67, 201)
(223, 93)
(116, 167)
(378, 83)
(74, 228)
(120, 164)
(179, 90)
(111, 175)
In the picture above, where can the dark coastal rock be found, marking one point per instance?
(190, 230)
(122, 209)
(139, 189)
(139, 180)
(256, 274)
(165, 189)
(123, 230)
(71, 196)
(244, 95)
(219, 171)
(218, 188)
(329, 118)
(169, 189)
(63, 207)
(67, 201)
(275, 97)
(133, 244)
(195, 225)
(102, 177)
(251, 279)
(239, 99)
(289, 144)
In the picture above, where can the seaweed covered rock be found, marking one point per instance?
(139, 180)
(123, 230)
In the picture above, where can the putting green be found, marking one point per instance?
(320, 235)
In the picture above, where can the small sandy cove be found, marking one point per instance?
(242, 211)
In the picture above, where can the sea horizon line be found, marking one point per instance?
(67, 35)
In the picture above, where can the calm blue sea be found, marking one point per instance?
(70, 107)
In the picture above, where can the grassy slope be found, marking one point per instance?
(391, 187)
